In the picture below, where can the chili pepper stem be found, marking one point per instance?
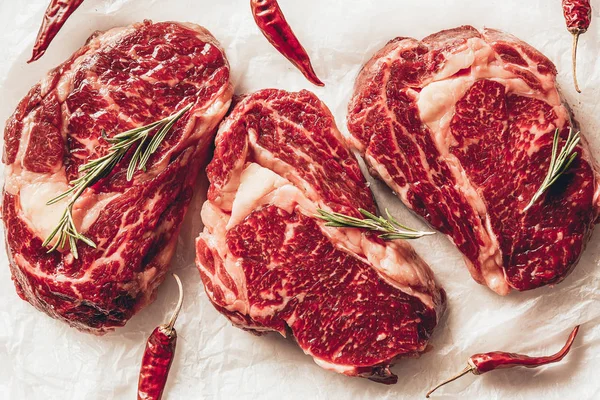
(574, 60)
(468, 368)
(171, 323)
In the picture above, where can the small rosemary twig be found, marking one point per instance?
(391, 228)
(95, 170)
(559, 163)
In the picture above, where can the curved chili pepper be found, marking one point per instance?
(272, 23)
(158, 356)
(578, 14)
(56, 15)
(485, 362)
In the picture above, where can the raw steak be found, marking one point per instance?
(351, 301)
(460, 125)
(121, 79)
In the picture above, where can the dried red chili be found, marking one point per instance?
(273, 25)
(578, 14)
(481, 363)
(56, 15)
(158, 356)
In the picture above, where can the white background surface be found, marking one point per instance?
(41, 358)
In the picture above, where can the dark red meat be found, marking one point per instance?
(124, 78)
(351, 301)
(460, 125)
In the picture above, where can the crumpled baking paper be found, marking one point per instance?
(41, 358)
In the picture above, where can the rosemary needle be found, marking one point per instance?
(559, 163)
(98, 168)
(391, 229)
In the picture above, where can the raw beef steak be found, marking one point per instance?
(460, 125)
(124, 78)
(351, 301)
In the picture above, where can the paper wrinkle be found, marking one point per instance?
(41, 358)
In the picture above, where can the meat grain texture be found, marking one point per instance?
(350, 300)
(121, 79)
(460, 125)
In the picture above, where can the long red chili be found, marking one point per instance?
(158, 356)
(578, 14)
(484, 362)
(272, 23)
(56, 15)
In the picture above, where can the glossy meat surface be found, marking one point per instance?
(351, 301)
(460, 125)
(121, 79)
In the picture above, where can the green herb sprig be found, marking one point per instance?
(391, 228)
(560, 162)
(97, 169)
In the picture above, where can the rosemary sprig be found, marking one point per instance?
(67, 230)
(97, 169)
(391, 228)
(559, 163)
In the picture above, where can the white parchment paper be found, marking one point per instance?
(41, 358)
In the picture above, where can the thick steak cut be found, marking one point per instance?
(460, 125)
(124, 78)
(351, 301)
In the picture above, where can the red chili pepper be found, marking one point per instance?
(481, 363)
(578, 14)
(55, 17)
(158, 356)
(272, 23)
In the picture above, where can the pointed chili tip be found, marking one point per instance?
(171, 323)
(317, 81)
(570, 341)
(310, 74)
(35, 56)
(565, 349)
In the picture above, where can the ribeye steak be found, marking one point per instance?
(351, 301)
(121, 79)
(460, 125)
